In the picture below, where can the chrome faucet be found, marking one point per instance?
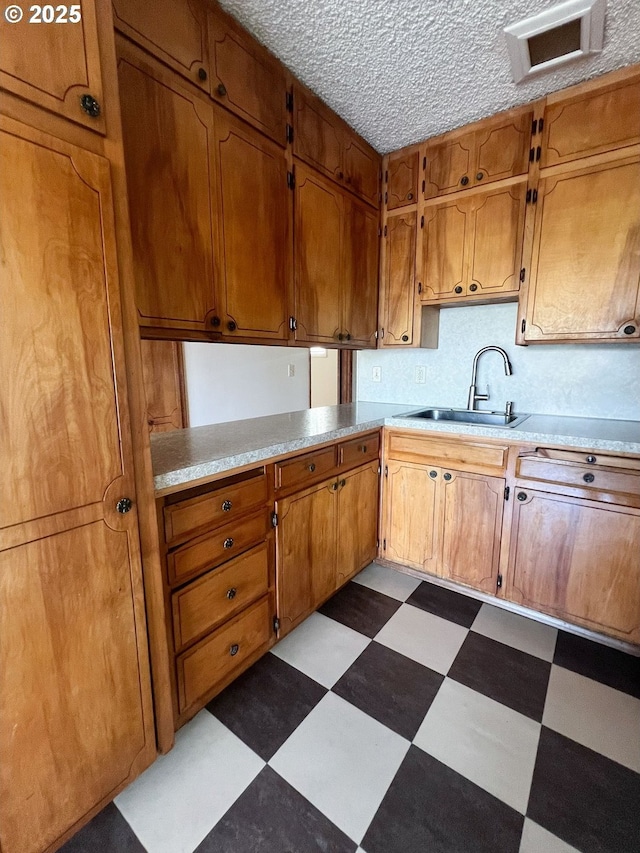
(473, 395)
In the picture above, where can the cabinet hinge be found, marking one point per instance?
(534, 197)
(377, 544)
(375, 334)
(538, 153)
(424, 162)
(385, 231)
(528, 197)
(522, 273)
(276, 624)
(422, 221)
(289, 102)
(386, 198)
(534, 127)
(384, 544)
(507, 489)
(289, 133)
(540, 125)
(419, 287)
(499, 582)
(293, 324)
(381, 333)
(524, 326)
(274, 519)
(291, 180)
(424, 184)
(386, 470)
(386, 176)
(532, 154)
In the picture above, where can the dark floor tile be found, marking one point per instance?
(507, 675)
(266, 704)
(430, 807)
(445, 603)
(391, 688)
(272, 817)
(602, 663)
(108, 832)
(588, 800)
(361, 608)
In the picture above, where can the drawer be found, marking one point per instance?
(587, 476)
(359, 450)
(305, 469)
(214, 548)
(219, 595)
(203, 667)
(472, 456)
(217, 506)
(581, 457)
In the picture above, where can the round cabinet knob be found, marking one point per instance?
(591, 460)
(221, 89)
(347, 337)
(588, 478)
(202, 74)
(362, 448)
(340, 175)
(228, 543)
(409, 196)
(340, 336)
(215, 322)
(433, 474)
(405, 338)
(343, 483)
(479, 176)
(124, 505)
(311, 467)
(473, 287)
(447, 477)
(457, 289)
(231, 593)
(522, 496)
(226, 506)
(334, 487)
(90, 105)
(629, 330)
(232, 325)
(464, 180)
(234, 649)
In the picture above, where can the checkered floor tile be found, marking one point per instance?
(401, 718)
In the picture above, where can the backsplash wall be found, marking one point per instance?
(588, 380)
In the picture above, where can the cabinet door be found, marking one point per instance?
(245, 78)
(75, 698)
(357, 521)
(443, 251)
(54, 64)
(361, 168)
(398, 280)
(401, 180)
(318, 257)
(163, 376)
(448, 166)
(585, 268)
(254, 211)
(502, 148)
(578, 560)
(472, 524)
(174, 31)
(306, 550)
(317, 134)
(412, 516)
(168, 138)
(360, 277)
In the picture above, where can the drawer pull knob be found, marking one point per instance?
(629, 330)
(457, 289)
(464, 180)
(343, 483)
(226, 506)
(591, 460)
(473, 288)
(363, 448)
(221, 89)
(334, 487)
(202, 74)
(231, 593)
(124, 505)
(90, 105)
(433, 474)
(228, 543)
(234, 649)
(588, 478)
(522, 496)
(447, 477)
(312, 467)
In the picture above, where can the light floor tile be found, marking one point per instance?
(388, 581)
(321, 648)
(178, 800)
(517, 631)
(490, 744)
(597, 716)
(535, 839)
(428, 639)
(343, 761)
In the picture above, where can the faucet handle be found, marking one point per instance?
(509, 408)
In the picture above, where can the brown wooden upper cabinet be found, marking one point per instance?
(174, 31)
(246, 78)
(401, 179)
(56, 65)
(397, 283)
(336, 259)
(324, 141)
(488, 151)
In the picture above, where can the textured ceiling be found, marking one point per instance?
(400, 71)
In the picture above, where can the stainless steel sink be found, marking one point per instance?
(465, 416)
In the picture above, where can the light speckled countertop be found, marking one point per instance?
(189, 455)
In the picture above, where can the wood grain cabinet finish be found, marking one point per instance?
(360, 274)
(174, 31)
(361, 168)
(163, 378)
(56, 65)
(401, 179)
(397, 280)
(412, 516)
(75, 695)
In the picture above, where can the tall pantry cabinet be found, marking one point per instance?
(76, 719)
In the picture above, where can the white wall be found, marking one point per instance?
(230, 382)
(590, 380)
(324, 377)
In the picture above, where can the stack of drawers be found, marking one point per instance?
(219, 584)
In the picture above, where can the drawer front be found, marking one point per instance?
(305, 469)
(204, 666)
(478, 457)
(216, 507)
(580, 457)
(582, 476)
(215, 548)
(359, 450)
(219, 595)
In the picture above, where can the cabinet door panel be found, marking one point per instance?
(174, 31)
(578, 560)
(585, 268)
(401, 180)
(412, 516)
(357, 521)
(398, 280)
(319, 272)
(317, 137)
(444, 255)
(360, 288)
(167, 154)
(502, 150)
(361, 169)
(254, 211)
(53, 65)
(498, 231)
(163, 377)
(447, 165)
(472, 511)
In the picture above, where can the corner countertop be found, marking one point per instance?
(185, 456)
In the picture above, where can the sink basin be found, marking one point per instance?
(464, 416)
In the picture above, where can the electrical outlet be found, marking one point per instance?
(421, 375)
(291, 370)
(376, 374)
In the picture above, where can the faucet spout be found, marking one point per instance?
(473, 394)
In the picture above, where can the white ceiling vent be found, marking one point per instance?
(558, 35)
